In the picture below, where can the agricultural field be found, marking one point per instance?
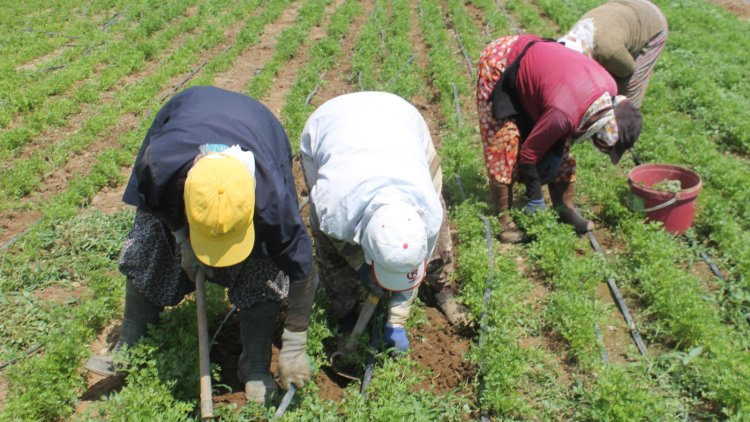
(80, 83)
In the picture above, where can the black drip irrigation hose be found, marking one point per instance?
(113, 19)
(29, 352)
(457, 102)
(467, 59)
(313, 92)
(483, 329)
(401, 69)
(224, 321)
(509, 17)
(620, 301)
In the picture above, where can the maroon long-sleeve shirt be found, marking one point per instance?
(556, 86)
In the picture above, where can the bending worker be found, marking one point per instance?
(626, 37)
(534, 99)
(214, 192)
(377, 213)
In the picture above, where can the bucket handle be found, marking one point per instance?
(629, 203)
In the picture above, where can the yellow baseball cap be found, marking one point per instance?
(219, 204)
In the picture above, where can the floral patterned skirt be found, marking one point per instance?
(501, 140)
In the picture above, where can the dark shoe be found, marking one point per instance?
(501, 199)
(261, 388)
(257, 326)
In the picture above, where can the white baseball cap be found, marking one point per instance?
(395, 244)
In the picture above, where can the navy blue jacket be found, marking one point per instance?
(201, 115)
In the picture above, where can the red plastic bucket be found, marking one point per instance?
(674, 209)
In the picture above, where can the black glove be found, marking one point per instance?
(530, 177)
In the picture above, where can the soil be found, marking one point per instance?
(14, 223)
(615, 334)
(440, 350)
(700, 269)
(63, 294)
(250, 61)
(741, 8)
(98, 386)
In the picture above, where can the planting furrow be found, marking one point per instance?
(290, 40)
(336, 81)
(250, 62)
(323, 55)
(285, 78)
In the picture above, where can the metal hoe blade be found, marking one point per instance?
(351, 343)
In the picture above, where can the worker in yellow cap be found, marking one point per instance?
(214, 192)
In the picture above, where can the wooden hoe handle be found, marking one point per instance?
(207, 403)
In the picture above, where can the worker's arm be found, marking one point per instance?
(548, 130)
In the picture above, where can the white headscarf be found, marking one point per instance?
(580, 38)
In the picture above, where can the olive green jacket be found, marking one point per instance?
(622, 29)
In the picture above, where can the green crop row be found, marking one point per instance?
(615, 392)
(26, 175)
(38, 374)
(323, 55)
(288, 44)
(31, 35)
(56, 112)
(151, 19)
(53, 111)
(369, 49)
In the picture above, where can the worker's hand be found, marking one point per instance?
(365, 276)
(395, 336)
(294, 364)
(534, 205)
(188, 261)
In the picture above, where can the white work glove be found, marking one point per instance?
(188, 261)
(294, 364)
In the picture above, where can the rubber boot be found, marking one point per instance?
(501, 199)
(257, 326)
(455, 311)
(562, 200)
(139, 312)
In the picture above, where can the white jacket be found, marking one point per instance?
(363, 150)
